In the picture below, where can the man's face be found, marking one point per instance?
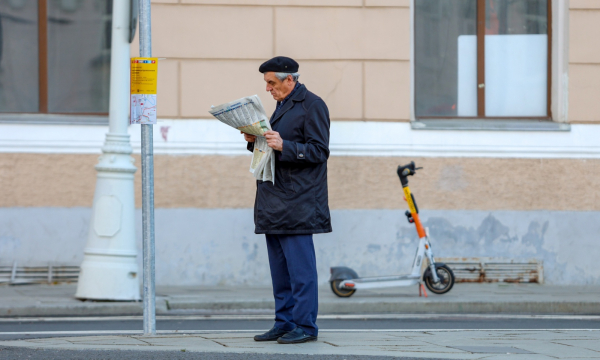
(278, 89)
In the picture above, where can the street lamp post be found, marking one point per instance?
(109, 270)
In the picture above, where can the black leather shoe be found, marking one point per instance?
(296, 336)
(271, 335)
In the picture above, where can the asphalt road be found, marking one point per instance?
(11, 329)
(18, 353)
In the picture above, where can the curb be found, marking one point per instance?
(386, 307)
(81, 309)
(165, 307)
(525, 307)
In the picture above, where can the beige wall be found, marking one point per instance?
(584, 61)
(352, 53)
(36, 180)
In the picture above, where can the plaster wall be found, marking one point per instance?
(516, 208)
(218, 246)
(347, 49)
(353, 53)
(584, 62)
(355, 182)
(512, 194)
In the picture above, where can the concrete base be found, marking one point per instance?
(108, 278)
(219, 247)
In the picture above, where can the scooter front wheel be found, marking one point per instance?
(340, 292)
(446, 282)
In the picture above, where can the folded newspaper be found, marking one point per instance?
(248, 115)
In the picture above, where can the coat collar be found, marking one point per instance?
(299, 95)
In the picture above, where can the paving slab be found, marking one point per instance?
(59, 300)
(439, 344)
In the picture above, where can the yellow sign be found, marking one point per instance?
(143, 75)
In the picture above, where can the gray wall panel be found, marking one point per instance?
(218, 246)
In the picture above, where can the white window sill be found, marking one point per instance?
(53, 119)
(489, 125)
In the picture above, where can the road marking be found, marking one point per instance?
(184, 332)
(322, 317)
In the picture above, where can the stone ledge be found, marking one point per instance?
(489, 125)
(304, 3)
(584, 4)
(53, 119)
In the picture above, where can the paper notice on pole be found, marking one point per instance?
(143, 109)
(143, 90)
(248, 115)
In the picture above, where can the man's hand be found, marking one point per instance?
(274, 140)
(249, 138)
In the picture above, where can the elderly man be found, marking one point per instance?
(290, 211)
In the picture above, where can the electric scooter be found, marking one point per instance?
(438, 277)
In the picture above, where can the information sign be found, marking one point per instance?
(143, 90)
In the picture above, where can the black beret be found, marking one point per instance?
(279, 64)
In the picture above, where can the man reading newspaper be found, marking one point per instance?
(294, 207)
(289, 161)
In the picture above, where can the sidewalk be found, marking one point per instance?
(449, 344)
(468, 298)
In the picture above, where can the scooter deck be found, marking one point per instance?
(386, 278)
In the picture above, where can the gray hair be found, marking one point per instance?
(282, 76)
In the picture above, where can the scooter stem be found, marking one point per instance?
(414, 212)
(403, 173)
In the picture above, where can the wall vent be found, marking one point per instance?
(490, 269)
(43, 274)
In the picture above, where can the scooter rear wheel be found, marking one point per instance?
(340, 292)
(446, 277)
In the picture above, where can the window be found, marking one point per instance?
(55, 56)
(482, 58)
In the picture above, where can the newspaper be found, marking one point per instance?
(248, 115)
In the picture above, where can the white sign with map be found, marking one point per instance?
(143, 109)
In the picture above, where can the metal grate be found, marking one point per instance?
(487, 270)
(48, 274)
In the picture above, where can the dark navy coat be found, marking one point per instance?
(298, 202)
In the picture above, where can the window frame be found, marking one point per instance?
(43, 55)
(480, 23)
(43, 77)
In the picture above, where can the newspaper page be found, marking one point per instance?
(248, 115)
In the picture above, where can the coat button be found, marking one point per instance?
(301, 155)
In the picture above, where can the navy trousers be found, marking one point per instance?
(294, 275)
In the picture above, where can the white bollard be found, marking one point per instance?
(109, 270)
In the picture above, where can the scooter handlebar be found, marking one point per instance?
(404, 171)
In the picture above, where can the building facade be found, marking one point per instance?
(497, 100)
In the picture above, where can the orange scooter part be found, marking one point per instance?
(413, 213)
(418, 225)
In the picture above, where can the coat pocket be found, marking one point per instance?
(280, 190)
(290, 182)
(284, 182)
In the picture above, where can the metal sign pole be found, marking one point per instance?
(147, 186)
